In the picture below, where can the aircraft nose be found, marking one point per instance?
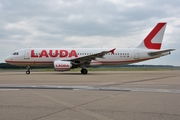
(8, 59)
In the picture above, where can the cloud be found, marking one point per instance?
(84, 23)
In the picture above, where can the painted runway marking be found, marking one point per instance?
(8, 89)
(17, 87)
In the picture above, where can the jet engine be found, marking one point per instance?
(62, 66)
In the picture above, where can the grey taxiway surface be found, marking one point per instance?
(106, 95)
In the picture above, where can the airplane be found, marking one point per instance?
(64, 59)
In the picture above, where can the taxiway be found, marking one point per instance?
(105, 95)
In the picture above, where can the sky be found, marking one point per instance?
(88, 24)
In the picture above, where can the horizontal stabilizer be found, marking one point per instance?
(161, 52)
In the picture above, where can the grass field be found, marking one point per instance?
(123, 69)
(129, 69)
(106, 69)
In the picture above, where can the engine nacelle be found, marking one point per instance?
(62, 66)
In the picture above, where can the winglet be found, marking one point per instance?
(112, 51)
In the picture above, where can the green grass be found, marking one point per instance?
(109, 69)
(129, 69)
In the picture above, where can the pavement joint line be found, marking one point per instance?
(126, 111)
(143, 80)
(70, 106)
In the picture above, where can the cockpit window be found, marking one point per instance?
(15, 53)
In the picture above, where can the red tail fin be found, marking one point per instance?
(155, 37)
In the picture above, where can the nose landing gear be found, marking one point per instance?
(28, 70)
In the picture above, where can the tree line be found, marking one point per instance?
(8, 66)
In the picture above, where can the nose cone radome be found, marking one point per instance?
(8, 59)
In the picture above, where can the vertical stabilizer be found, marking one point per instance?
(154, 38)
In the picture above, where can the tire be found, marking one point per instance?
(84, 71)
(27, 72)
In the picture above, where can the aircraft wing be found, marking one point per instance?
(161, 52)
(93, 56)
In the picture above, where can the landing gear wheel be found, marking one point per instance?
(84, 71)
(28, 72)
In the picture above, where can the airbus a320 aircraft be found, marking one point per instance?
(64, 59)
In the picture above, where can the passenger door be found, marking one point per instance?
(136, 54)
(26, 53)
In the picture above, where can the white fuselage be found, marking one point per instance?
(47, 56)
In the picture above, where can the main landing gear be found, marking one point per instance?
(28, 70)
(84, 71)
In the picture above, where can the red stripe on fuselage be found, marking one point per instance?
(51, 62)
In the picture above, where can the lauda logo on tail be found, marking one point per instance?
(155, 37)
